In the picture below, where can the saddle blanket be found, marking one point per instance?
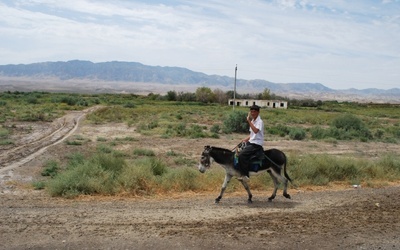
(254, 166)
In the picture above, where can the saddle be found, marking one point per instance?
(255, 160)
(258, 157)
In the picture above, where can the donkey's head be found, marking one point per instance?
(205, 159)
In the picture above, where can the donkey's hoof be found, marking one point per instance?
(287, 196)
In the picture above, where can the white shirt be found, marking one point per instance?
(257, 138)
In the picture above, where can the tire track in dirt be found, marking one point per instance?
(63, 128)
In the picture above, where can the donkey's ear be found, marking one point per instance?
(206, 147)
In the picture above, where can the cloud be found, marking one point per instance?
(340, 44)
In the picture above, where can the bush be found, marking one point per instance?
(96, 175)
(215, 129)
(348, 122)
(236, 122)
(297, 134)
(182, 179)
(143, 152)
(318, 133)
(196, 131)
(158, 167)
(323, 169)
(51, 169)
(138, 178)
(279, 129)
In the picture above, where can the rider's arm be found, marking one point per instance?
(254, 128)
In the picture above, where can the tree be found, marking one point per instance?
(205, 95)
(220, 96)
(186, 97)
(266, 95)
(171, 95)
(229, 94)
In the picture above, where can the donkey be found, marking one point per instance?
(272, 161)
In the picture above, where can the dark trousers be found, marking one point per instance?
(244, 157)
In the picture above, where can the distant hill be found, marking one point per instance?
(115, 76)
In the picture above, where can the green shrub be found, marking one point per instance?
(104, 149)
(75, 160)
(38, 185)
(6, 142)
(101, 139)
(279, 129)
(236, 122)
(215, 128)
(318, 132)
(73, 143)
(51, 169)
(379, 133)
(196, 131)
(138, 178)
(158, 167)
(4, 133)
(96, 175)
(129, 105)
(143, 152)
(348, 122)
(144, 126)
(297, 134)
(323, 169)
(391, 164)
(181, 179)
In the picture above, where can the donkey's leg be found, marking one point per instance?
(284, 181)
(246, 186)
(226, 181)
(285, 184)
(275, 186)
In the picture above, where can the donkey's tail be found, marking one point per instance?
(284, 170)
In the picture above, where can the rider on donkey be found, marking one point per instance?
(255, 140)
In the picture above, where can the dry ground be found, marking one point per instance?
(333, 218)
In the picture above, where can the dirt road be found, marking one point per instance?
(350, 218)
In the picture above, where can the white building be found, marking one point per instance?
(262, 103)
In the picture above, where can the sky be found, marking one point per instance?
(340, 44)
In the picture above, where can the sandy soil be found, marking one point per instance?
(333, 218)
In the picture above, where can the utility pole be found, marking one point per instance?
(234, 90)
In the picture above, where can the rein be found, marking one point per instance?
(236, 146)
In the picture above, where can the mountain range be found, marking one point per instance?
(134, 77)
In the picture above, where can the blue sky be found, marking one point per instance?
(341, 44)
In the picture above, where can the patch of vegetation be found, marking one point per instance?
(142, 172)
(38, 185)
(236, 122)
(51, 168)
(4, 136)
(143, 152)
(73, 143)
(108, 174)
(324, 169)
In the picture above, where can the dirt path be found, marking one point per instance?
(361, 218)
(348, 219)
(29, 147)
